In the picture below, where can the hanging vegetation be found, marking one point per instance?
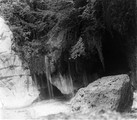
(48, 27)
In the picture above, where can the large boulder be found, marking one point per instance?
(16, 86)
(108, 93)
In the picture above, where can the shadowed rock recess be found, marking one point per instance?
(108, 93)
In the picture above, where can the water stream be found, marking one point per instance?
(48, 75)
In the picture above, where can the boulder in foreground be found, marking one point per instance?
(108, 93)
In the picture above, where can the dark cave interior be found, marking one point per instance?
(115, 54)
(86, 69)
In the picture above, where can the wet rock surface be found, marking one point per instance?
(62, 110)
(108, 93)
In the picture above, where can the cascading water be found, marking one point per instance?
(48, 75)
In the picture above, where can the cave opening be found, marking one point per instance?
(115, 54)
(86, 69)
(83, 70)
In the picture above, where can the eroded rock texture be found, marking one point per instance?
(108, 93)
(16, 86)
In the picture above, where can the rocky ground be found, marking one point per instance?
(55, 110)
(61, 110)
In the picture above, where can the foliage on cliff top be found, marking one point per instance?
(30, 21)
(48, 27)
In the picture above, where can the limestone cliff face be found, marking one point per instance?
(15, 83)
(5, 38)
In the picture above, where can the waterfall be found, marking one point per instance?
(48, 75)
